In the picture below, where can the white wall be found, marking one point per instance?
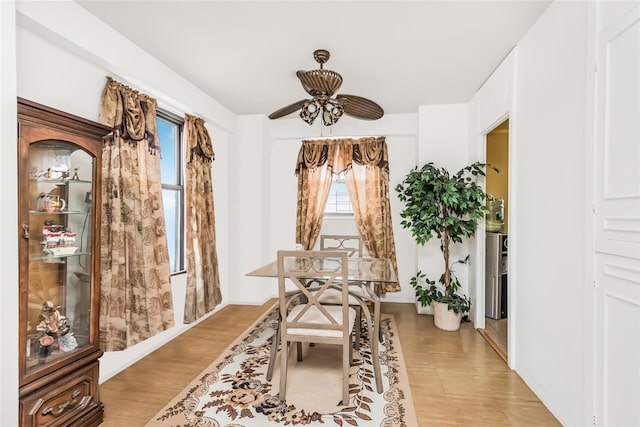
(9, 194)
(551, 274)
(547, 171)
(444, 140)
(249, 201)
(550, 106)
(492, 105)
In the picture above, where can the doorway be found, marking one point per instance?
(496, 283)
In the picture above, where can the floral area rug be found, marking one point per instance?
(234, 391)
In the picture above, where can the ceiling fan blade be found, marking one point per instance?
(361, 108)
(284, 111)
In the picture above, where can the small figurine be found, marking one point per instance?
(51, 326)
(67, 342)
(49, 319)
(75, 174)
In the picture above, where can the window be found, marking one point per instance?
(338, 201)
(170, 133)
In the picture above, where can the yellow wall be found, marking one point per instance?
(498, 156)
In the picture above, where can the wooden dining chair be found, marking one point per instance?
(363, 290)
(304, 319)
(342, 242)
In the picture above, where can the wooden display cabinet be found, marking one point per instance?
(59, 181)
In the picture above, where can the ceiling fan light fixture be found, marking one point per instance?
(310, 110)
(332, 110)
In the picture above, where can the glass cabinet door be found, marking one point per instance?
(59, 181)
(59, 256)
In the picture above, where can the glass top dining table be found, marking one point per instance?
(379, 270)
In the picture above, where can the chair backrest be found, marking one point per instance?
(298, 267)
(343, 242)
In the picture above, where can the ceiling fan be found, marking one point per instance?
(321, 84)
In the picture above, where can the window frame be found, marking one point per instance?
(179, 186)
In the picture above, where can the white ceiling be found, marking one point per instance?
(400, 54)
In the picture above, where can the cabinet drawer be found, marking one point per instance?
(66, 402)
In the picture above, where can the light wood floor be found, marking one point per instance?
(456, 378)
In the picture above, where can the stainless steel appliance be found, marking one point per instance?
(496, 275)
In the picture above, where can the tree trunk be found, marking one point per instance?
(447, 270)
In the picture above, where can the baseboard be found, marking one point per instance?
(493, 345)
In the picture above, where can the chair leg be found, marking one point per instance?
(375, 336)
(376, 320)
(346, 358)
(351, 347)
(299, 351)
(358, 327)
(375, 352)
(284, 356)
(274, 352)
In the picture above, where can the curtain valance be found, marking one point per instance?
(198, 140)
(339, 154)
(130, 113)
(312, 155)
(371, 152)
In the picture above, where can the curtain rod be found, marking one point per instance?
(341, 137)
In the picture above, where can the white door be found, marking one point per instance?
(617, 225)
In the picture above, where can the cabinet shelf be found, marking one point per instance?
(32, 212)
(64, 181)
(39, 355)
(46, 257)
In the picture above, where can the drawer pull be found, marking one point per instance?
(63, 406)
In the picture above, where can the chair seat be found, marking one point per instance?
(334, 296)
(314, 315)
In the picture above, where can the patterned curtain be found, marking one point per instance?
(314, 182)
(203, 281)
(368, 183)
(366, 165)
(135, 295)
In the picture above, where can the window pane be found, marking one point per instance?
(171, 200)
(338, 200)
(170, 135)
(167, 132)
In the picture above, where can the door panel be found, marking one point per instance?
(617, 225)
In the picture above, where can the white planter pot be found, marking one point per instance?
(445, 319)
(420, 309)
